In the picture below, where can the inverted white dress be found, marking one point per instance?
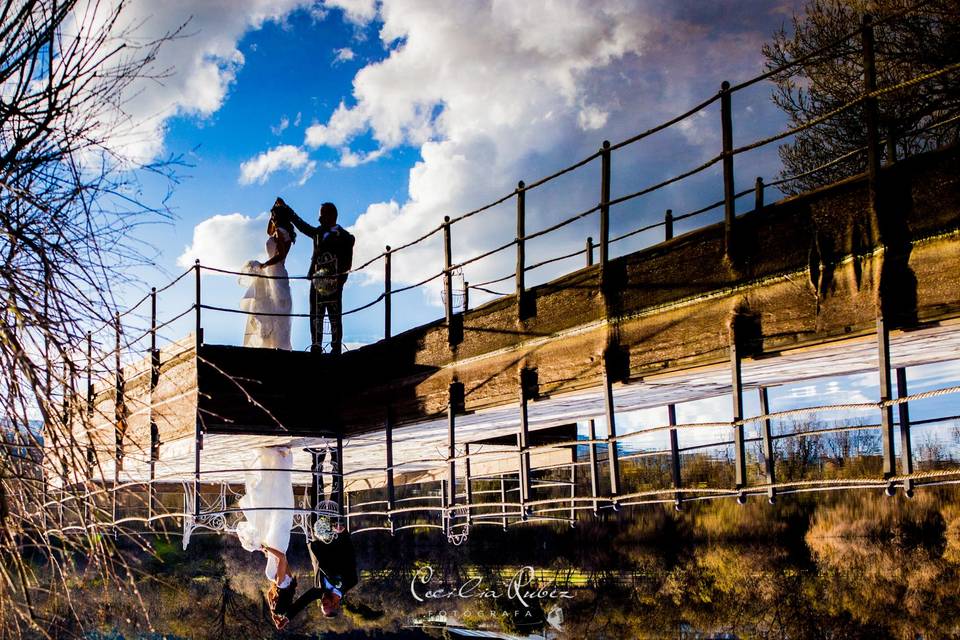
(267, 296)
(263, 526)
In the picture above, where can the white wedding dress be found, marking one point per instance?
(262, 526)
(267, 295)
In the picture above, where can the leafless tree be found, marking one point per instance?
(913, 38)
(67, 205)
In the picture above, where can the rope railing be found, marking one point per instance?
(126, 337)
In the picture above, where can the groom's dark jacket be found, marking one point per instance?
(337, 562)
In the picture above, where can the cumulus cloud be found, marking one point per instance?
(359, 12)
(197, 69)
(525, 90)
(227, 241)
(284, 157)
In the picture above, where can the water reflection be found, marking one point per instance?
(837, 565)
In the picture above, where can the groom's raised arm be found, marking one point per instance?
(304, 227)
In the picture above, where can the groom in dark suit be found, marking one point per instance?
(329, 267)
(335, 573)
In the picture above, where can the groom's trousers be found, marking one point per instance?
(331, 307)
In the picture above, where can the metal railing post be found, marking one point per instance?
(906, 448)
(451, 449)
(886, 412)
(467, 489)
(729, 203)
(503, 502)
(668, 225)
(198, 426)
(387, 259)
(604, 211)
(447, 272)
(388, 430)
(341, 477)
(891, 145)
(758, 194)
(594, 466)
(613, 454)
(674, 455)
(589, 251)
(521, 244)
(197, 306)
(523, 441)
(736, 390)
(769, 461)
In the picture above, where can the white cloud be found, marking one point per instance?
(284, 157)
(343, 55)
(525, 90)
(196, 70)
(591, 118)
(226, 241)
(359, 12)
(281, 126)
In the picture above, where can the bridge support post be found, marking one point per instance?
(674, 455)
(589, 251)
(736, 389)
(729, 192)
(521, 248)
(594, 466)
(386, 292)
(758, 194)
(451, 448)
(668, 225)
(886, 411)
(906, 450)
(613, 454)
(769, 462)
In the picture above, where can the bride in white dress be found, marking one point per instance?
(270, 295)
(268, 510)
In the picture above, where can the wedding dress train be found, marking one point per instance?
(268, 484)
